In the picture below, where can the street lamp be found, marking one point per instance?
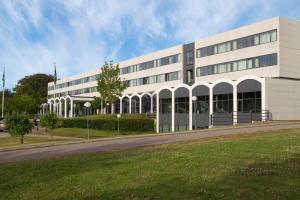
(118, 116)
(194, 99)
(107, 108)
(87, 105)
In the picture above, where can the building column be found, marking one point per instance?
(173, 112)
(234, 104)
(66, 108)
(151, 103)
(113, 108)
(190, 110)
(157, 112)
(263, 100)
(140, 104)
(60, 108)
(129, 105)
(50, 104)
(121, 106)
(211, 106)
(71, 109)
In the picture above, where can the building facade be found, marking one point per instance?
(247, 74)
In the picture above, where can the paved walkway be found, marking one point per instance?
(119, 144)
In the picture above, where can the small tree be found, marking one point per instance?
(110, 85)
(50, 121)
(19, 125)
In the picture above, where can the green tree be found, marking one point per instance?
(19, 125)
(50, 121)
(35, 86)
(110, 86)
(8, 107)
(23, 103)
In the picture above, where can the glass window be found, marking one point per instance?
(265, 38)
(234, 45)
(256, 39)
(273, 36)
(249, 64)
(198, 55)
(256, 63)
(228, 46)
(222, 68)
(221, 48)
(228, 66)
(234, 66)
(242, 65)
(215, 49)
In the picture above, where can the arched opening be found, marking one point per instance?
(222, 104)
(125, 104)
(249, 101)
(165, 110)
(135, 104)
(200, 107)
(181, 109)
(146, 103)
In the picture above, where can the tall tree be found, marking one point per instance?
(36, 87)
(110, 86)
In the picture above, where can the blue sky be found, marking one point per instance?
(79, 35)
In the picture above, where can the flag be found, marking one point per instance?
(55, 75)
(3, 77)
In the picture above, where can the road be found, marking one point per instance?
(125, 143)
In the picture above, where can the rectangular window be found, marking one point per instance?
(189, 59)
(273, 36)
(242, 65)
(256, 40)
(249, 64)
(234, 45)
(222, 68)
(265, 38)
(221, 48)
(198, 55)
(234, 66)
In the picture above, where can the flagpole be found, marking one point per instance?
(3, 89)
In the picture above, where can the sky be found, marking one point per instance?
(80, 35)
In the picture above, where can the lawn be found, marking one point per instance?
(28, 140)
(82, 133)
(250, 166)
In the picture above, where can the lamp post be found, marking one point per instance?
(118, 116)
(107, 108)
(87, 105)
(194, 99)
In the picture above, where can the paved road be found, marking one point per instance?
(129, 143)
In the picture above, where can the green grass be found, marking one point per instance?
(82, 133)
(251, 166)
(28, 140)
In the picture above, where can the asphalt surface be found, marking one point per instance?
(120, 144)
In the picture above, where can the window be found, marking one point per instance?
(273, 36)
(189, 59)
(265, 38)
(234, 66)
(222, 68)
(242, 65)
(249, 64)
(256, 40)
(221, 48)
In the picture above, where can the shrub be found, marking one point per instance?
(110, 122)
(50, 121)
(19, 125)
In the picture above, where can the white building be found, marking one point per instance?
(246, 74)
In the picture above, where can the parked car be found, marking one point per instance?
(3, 126)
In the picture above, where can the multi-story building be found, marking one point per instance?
(242, 75)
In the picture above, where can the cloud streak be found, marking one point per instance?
(79, 35)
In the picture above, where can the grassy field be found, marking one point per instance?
(82, 133)
(251, 166)
(28, 140)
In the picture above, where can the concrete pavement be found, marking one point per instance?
(109, 145)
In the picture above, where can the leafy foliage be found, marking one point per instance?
(19, 125)
(50, 121)
(110, 85)
(139, 123)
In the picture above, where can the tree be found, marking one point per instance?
(50, 121)
(19, 125)
(110, 85)
(35, 86)
(23, 103)
(8, 107)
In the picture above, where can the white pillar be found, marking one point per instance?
(263, 99)
(173, 112)
(211, 105)
(234, 104)
(50, 107)
(66, 108)
(113, 108)
(129, 105)
(151, 103)
(71, 109)
(190, 110)
(140, 104)
(60, 108)
(121, 106)
(157, 112)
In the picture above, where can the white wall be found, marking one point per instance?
(283, 98)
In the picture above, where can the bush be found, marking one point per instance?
(110, 122)
(19, 125)
(50, 121)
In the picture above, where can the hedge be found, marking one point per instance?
(110, 122)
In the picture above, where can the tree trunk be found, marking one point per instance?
(22, 139)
